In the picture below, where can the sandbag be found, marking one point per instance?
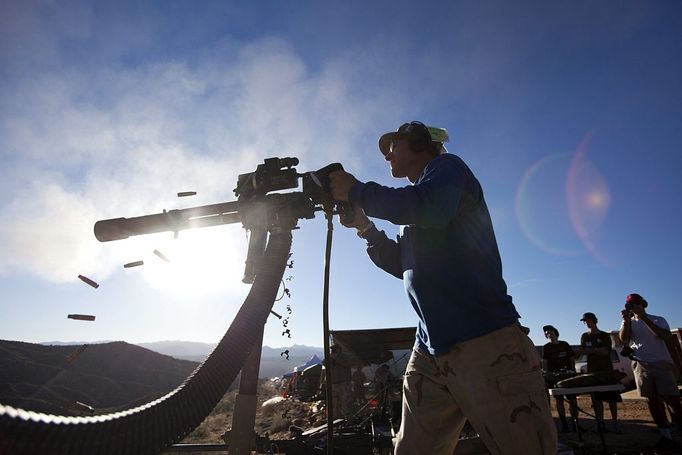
(592, 379)
(552, 377)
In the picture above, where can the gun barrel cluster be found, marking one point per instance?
(173, 220)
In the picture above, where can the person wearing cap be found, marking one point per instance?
(471, 359)
(558, 358)
(653, 367)
(597, 345)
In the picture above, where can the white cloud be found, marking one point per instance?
(81, 145)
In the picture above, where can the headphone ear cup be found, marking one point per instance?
(419, 144)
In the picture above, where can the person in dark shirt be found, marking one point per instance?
(597, 345)
(557, 358)
(358, 379)
(471, 358)
(341, 364)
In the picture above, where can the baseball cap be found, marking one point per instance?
(548, 328)
(589, 316)
(416, 131)
(636, 299)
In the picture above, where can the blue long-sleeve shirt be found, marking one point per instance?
(446, 252)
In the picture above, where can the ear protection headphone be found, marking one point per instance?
(419, 137)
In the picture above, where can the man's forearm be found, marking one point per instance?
(624, 333)
(385, 253)
(420, 204)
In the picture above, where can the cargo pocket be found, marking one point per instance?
(521, 383)
(523, 394)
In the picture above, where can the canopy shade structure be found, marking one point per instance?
(374, 345)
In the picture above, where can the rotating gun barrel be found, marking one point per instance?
(172, 220)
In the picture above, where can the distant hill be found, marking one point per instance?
(273, 362)
(106, 376)
(178, 349)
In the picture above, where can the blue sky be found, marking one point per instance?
(570, 115)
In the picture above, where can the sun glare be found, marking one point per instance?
(199, 262)
(597, 200)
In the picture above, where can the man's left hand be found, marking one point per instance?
(340, 183)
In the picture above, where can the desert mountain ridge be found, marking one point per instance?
(105, 376)
(193, 350)
(108, 376)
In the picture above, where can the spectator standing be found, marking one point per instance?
(653, 367)
(358, 378)
(382, 379)
(558, 357)
(597, 344)
(341, 381)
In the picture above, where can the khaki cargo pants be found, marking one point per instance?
(494, 381)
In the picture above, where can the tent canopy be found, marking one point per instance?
(374, 345)
(314, 360)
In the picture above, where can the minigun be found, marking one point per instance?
(257, 207)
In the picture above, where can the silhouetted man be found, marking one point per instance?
(471, 358)
(597, 345)
(652, 364)
(558, 358)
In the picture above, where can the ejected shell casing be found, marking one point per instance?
(87, 280)
(161, 256)
(187, 193)
(133, 264)
(82, 317)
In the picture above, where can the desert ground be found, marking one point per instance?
(639, 432)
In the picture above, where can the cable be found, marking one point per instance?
(284, 287)
(149, 428)
(325, 327)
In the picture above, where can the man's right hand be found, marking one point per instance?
(626, 314)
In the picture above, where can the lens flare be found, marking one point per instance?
(541, 207)
(588, 197)
(562, 202)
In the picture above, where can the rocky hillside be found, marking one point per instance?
(106, 376)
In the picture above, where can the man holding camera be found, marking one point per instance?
(471, 359)
(653, 367)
